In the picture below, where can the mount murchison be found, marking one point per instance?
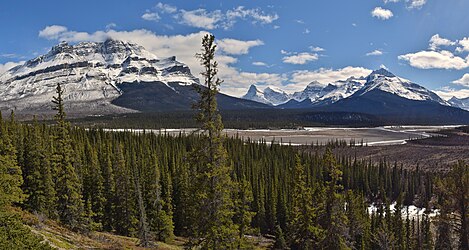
(104, 77)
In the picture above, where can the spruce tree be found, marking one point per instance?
(304, 232)
(334, 220)
(70, 204)
(453, 190)
(10, 173)
(212, 185)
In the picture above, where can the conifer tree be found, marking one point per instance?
(334, 220)
(303, 230)
(212, 185)
(453, 190)
(38, 185)
(70, 204)
(10, 173)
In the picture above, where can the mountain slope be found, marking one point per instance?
(462, 103)
(98, 76)
(392, 108)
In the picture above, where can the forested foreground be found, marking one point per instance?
(218, 192)
(97, 180)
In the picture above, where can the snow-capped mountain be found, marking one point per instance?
(312, 92)
(270, 95)
(91, 72)
(316, 94)
(388, 82)
(462, 103)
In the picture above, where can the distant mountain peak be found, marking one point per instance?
(382, 72)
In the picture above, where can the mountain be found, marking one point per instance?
(383, 80)
(95, 75)
(397, 100)
(462, 103)
(271, 95)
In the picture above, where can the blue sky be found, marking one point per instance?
(280, 43)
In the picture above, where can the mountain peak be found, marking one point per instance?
(383, 72)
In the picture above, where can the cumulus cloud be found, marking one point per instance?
(463, 45)
(380, 13)
(436, 41)
(300, 58)
(415, 4)
(52, 32)
(374, 53)
(326, 76)
(435, 60)
(237, 47)
(464, 80)
(8, 65)
(151, 16)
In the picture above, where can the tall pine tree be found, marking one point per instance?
(212, 185)
(70, 203)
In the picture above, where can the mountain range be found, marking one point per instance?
(316, 94)
(104, 77)
(120, 77)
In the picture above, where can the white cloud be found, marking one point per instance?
(464, 80)
(415, 4)
(52, 32)
(166, 8)
(435, 60)
(256, 14)
(8, 65)
(325, 76)
(374, 53)
(316, 49)
(381, 13)
(151, 16)
(307, 31)
(200, 18)
(436, 41)
(390, 1)
(447, 93)
(300, 58)
(237, 47)
(263, 64)
(464, 45)
(284, 52)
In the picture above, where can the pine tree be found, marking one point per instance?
(212, 185)
(38, 185)
(335, 220)
(453, 190)
(303, 230)
(70, 204)
(10, 173)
